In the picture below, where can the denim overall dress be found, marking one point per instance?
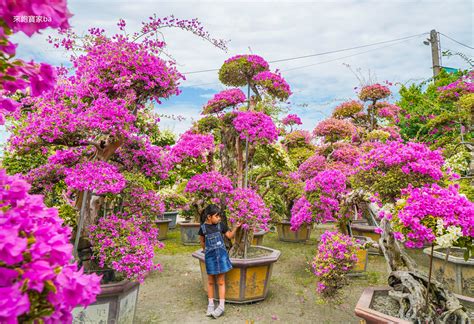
(216, 257)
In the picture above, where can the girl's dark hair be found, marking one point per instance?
(210, 210)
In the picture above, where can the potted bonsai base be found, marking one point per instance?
(285, 233)
(249, 279)
(173, 215)
(163, 225)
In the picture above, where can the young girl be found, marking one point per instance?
(216, 257)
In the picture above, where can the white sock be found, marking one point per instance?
(221, 303)
(211, 301)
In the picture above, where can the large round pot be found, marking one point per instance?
(258, 237)
(173, 215)
(458, 274)
(285, 233)
(189, 233)
(116, 303)
(163, 225)
(361, 229)
(248, 280)
(365, 311)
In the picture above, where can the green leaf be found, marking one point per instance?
(466, 255)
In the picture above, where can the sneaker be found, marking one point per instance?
(218, 312)
(210, 310)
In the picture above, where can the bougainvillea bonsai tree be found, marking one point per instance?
(239, 131)
(94, 129)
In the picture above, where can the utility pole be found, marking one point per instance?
(435, 50)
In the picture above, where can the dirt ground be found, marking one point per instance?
(176, 294)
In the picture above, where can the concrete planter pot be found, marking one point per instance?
(363, 308)
(249, 279)
(258, 237)
(116, 303)
(458, 274)
(361, 229)
(162, 225)
(363, 258)
(173, 215)
(189, 233)
(285, 234)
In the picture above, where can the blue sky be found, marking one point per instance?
(283, 29)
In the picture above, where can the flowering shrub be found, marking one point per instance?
(98, 176)
(238, 70)
(347, 109)
(456, 89)
(374, 92)
(125, 245)
(390, 167)
(138, 154)
(37, 279)
(173, 200)
(256, 126)
(377, 135)
(273, 84)
(224, 99)
(298, 138)
(335, 257)
(324, 193)
(245, 206)
(191, 145)
(310, 168)
(139, 201)
(433, 214)
(346, 153)
(387, 110)
(334, 129)
(291, 119)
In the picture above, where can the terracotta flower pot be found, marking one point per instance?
(163, 225)
(116, 303)
(365, 311)
(458, 274)
(189, 233)
(285, 234)
(248, 280)
(173, 215)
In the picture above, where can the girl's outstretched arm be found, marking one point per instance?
(230, 234)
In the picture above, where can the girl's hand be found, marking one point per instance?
(238, 224)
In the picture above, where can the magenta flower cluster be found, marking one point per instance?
(246, 207)
(256, 126)
(336, 256)
(324, 193)
(191, 145)
(297, 137)
(374, 92)
(224, 99)
(291, 119)
(17, 74)
(209, 186)
(97, 176)
(274, 84)
(35, 260)
(410, 157)
(418, 217)
(312, 166)
(387, 110)
(125, 244)
(145, 202)
(456, 89)
(346, 153)
(139, 154)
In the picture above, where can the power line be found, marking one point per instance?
(456, 41)
(323, 53)
(342, 57)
